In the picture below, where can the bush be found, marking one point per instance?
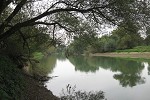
(10, 80)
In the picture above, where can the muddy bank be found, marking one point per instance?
(125, 54)
(35, 91)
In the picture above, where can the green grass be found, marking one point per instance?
(136, 49)
(38, 55)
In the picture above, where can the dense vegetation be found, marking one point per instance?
(11, 82)
(120, 39)
(29, 30)
(136, 49)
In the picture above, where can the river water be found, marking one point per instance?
(118, 78)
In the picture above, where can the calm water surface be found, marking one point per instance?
(120, 79)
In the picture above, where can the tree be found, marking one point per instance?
(147, 39)
(83, 40)
(105, 11)
(127, 35)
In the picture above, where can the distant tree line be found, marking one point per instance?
(126, 36)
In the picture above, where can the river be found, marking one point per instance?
(118, 78)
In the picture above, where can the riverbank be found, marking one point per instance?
(34, 88)
(15, 84)
(35, 91)
(145, 55)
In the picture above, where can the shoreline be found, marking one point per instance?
(145, 55)
(35, 91)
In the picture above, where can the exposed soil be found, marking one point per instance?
(125, 54)
(34, 91)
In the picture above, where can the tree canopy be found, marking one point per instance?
(96, 12)
(38, 21)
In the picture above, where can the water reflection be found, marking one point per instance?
(45, 66)
(83, 64)
(129, 70)
(61, 56)
(148, 68)
(119, 78)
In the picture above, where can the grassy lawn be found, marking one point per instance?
(136, 49)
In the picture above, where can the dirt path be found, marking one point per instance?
(125, 54)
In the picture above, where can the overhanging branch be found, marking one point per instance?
(25, 41)
(11, 16)
(54, 23)
(32, 21)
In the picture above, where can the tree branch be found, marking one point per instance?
(4, 4)
(33, 20)
(10, 17)
(25, 41)
(104, 16)
(54, 23)
(54, 32)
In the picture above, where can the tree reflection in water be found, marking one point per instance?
(129, 71)
(45, 66)
(82, 64)
(148, 69)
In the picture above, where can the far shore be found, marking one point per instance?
(145, 55)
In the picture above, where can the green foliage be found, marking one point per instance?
(25, 40)
(38, 55)
(4, 95)
(124, 37)
(128, 36)
(147, 39)
(11, 82)
(128, 70)
(45, 66)
(82, 64)
(107, 44)
(20, 35)
(84, 40)
(136, 49)
(13, 46)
